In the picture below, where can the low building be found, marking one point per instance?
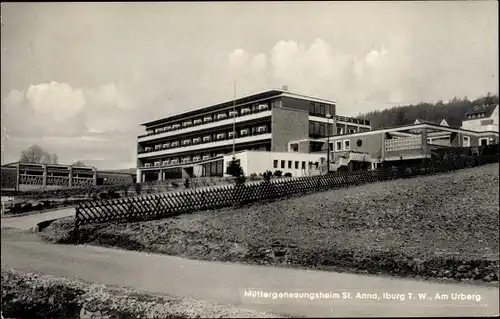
(24, 177)
(408, 143)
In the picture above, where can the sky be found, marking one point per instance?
(78, 78)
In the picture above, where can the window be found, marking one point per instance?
(316, 165)
(311, 128)
(296, 164)
(245, 111)
(289, 164)
(322, 109)
(282, 164)
(340, 131)
(352, 131)
(303, 165)
(322, 130)
(338, 145)
(347, 145)
(317, 108)
(486, 122)
(275, 163)
(311, 107)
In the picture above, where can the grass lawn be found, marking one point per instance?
(442, 226)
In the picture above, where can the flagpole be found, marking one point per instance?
(234, 117)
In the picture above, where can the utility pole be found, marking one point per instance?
(234, 118)
(328, 116)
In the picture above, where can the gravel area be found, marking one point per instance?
(442, 226)
(30, 295)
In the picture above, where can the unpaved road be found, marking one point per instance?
(224, 283)
(29, 221)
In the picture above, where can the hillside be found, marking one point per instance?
(453, 112)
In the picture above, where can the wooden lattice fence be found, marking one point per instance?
(172, 204)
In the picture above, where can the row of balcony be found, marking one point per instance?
(263, 129)
(219, 116)
(182, 160)
(352, 120)
(197, 157)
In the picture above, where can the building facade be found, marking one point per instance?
(414, 142)
(482, 118)
(25, 177)
(176, 146)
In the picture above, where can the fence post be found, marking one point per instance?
(76, 229)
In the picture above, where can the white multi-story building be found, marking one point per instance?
(195, 142)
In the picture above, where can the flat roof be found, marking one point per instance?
(245, 99)
(408, 127)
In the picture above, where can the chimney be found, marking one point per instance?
(284, 87)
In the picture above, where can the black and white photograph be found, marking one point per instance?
(249, 159)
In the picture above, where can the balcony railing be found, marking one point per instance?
(218, 138)
(406, 143)
(200, 148)
(205, 120)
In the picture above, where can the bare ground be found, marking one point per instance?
(30, 295)
(442, 226)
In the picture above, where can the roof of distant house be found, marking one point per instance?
(421, 121)
(479, 110)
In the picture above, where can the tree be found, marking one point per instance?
(234, 169)
(37, 155)
(53, 159)
(453, 112)
(78, 163)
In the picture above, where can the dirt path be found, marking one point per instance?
(29, 221)
(225, 283)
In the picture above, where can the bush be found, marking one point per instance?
(278, 173)
(234, 169)
(267, 175)
(253, 177)
(288, 174)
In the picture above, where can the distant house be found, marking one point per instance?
(481, 119)
(442, 123)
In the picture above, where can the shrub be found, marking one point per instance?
(253, 177)
(234, 169)
(267, 175)
(288, 174)
(278, 173)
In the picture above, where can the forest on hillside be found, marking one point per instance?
(453, 112)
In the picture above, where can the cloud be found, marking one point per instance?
(381, 76)
(68, 120)
(57, 100)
